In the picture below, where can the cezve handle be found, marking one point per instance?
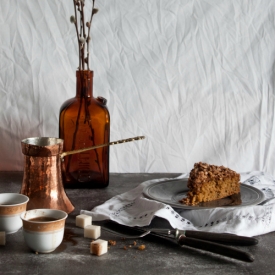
(100, 145)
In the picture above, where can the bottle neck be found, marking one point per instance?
(84, 83)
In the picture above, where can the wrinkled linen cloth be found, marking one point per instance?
(132, 208)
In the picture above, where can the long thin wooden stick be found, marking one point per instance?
(101, 145)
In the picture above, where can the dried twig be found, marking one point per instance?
(83, 38)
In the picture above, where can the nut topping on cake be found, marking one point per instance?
(210, 182)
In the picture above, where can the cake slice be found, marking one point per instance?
(210, 182)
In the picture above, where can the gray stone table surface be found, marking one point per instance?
(159, 257)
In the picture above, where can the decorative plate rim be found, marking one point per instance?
(147, 192)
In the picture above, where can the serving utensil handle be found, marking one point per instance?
(216, 248)
(227, 238)
(101, 145)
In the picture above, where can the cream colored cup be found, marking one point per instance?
(12, 205)
(43, 229)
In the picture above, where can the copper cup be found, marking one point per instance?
(42, 180)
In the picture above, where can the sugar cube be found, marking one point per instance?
(83, 220)
(2, 238)
(99, 247)
(92, 231)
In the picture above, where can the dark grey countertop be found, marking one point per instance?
(73, 256)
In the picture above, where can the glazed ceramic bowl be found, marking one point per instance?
(12, 205)
(43, 229)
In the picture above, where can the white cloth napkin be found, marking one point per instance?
(133, 209)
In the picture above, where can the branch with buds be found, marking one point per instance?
(80, 26)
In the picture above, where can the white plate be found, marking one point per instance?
(171, 192)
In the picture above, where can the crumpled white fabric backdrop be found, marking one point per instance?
(195, 77)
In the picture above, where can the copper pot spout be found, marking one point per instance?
(42, 180)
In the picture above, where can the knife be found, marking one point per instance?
(225, 238)
(216, 248)
(183, 240)
(201, 240)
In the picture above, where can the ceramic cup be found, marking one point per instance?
(12, 205)
(43, 229)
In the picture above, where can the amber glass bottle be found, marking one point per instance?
(84, 121)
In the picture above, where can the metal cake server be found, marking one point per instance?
(183, 238)
(126, 236)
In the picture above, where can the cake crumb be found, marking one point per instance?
(112, 243)
(141, 247)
